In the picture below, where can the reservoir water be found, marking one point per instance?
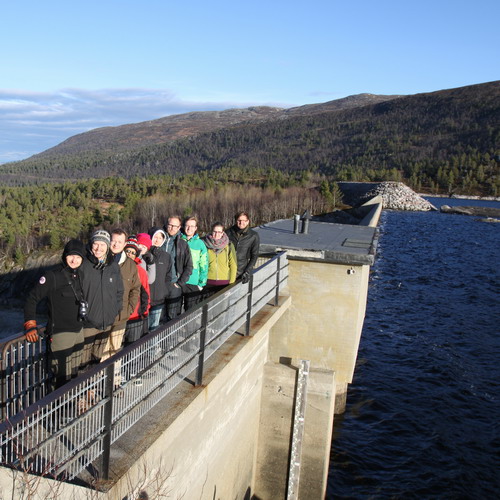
(423, 412)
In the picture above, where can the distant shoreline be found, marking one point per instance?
(461, 197)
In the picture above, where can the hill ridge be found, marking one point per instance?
(178, 126)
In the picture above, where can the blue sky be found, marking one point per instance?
(68, 67)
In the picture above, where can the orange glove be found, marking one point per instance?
(31, 331)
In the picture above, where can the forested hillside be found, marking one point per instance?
(443, 141)
(45, 217)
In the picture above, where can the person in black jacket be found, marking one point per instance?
(163, 276)
(246, 242)
(103, 289)
(182, 265)
(62, 288)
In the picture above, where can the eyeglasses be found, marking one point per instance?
(242, 220)
(131, 252)
(217, 232)
(173, 226)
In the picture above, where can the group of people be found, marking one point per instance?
(118, 287)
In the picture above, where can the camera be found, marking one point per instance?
(83, 310)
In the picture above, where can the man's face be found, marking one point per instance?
(99, 249)
(117, 243)
(158, 239)
(173, 226)
(190, 228)
(242, 221)
(73, 261)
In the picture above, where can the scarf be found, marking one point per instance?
(216, 245)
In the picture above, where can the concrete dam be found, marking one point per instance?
(235, 400)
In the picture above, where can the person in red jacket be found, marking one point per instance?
(137, 324)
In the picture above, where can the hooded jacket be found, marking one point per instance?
(163, 265)
(103, 288)
(63, 289)
(183, 263)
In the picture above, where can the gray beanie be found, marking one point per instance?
(101, 235)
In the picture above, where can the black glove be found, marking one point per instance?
(148, 258)
(245, 277)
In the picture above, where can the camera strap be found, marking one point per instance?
(70, 283)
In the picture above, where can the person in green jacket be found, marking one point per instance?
(192, 290)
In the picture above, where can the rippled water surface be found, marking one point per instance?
(423, 412)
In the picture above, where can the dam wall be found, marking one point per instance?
(231, 438)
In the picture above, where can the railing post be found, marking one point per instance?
(277, 294)
(108, 419)
(203, 336)
(249, 305)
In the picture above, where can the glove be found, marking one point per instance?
(245, 277)
(31, 330)
(148, 258)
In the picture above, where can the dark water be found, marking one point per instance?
(423, 412)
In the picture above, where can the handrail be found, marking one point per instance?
(66, 431)
(24, 373)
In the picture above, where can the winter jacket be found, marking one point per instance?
(199, 257)
(131, 288)
(63, 304)
(246, 244)
(103, 288)
(178, 249)
(163, 265)
(144, 303)
(222, 266)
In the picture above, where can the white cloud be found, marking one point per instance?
(31, 122)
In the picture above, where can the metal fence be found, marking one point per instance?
(63, 433)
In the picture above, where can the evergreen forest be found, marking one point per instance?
(45, 217)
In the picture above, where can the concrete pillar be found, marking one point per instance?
(325, 319)
(275, 431)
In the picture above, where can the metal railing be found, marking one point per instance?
(66, 431)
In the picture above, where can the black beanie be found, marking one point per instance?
(73, 247)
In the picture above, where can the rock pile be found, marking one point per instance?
(398, 196)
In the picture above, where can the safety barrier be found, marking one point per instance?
(66, 431)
